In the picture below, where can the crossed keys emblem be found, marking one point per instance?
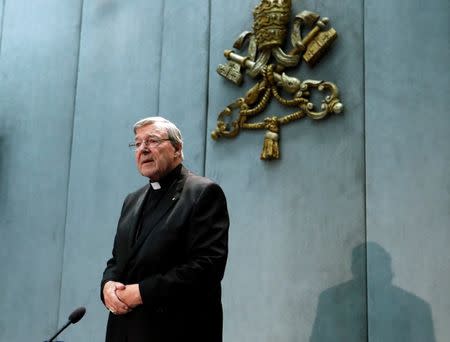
(265, 62)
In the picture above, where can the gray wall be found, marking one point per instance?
(344, 239)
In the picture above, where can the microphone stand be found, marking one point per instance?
(74, 317)
(59, 331)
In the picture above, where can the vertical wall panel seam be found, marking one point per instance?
(205, 141)
(1, 24)
(161, 47)
(365, 159)
(75, 92)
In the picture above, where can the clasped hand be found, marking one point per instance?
(121, 299)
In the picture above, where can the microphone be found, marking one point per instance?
(74, 317)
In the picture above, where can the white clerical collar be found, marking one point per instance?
(155, 185)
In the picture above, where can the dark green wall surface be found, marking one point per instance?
(345, 238)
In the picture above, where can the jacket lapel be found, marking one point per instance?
(136, 214)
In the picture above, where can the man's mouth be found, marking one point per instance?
(146, 161)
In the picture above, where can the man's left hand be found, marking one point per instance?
(130, 295)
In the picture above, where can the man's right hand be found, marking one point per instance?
(112, 302)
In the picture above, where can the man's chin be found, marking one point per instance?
(148, 172)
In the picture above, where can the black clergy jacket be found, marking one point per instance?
(178, 260)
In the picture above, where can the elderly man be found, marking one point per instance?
(162, 282)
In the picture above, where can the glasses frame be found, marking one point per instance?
(149, 142)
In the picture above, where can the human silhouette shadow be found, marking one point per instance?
(384, 312)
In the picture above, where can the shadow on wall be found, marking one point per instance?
(3, 185)
(394, 315)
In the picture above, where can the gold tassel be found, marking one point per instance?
(270, 148)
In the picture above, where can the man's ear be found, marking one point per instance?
(178, 151)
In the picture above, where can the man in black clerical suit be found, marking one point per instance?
(162, 282)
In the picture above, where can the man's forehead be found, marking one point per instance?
(151, 129)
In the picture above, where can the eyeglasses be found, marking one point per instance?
(150, 142)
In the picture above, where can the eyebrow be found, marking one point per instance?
(149, 136)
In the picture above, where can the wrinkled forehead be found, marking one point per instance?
(153, 129)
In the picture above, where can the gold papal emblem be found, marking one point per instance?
(265, 62)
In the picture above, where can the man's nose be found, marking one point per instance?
(143, 148)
